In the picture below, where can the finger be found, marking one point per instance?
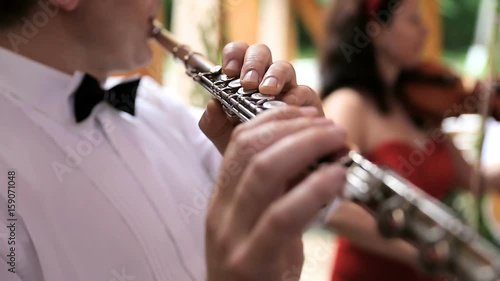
(288, 217)
(279, 77)
(268, 173)
(216, 126)
(281, 113)
(233, 56)
(302, 96)
(251, 142)
(232, 167)
(258, 58)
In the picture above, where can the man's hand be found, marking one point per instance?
(259, 211)
(254, 64)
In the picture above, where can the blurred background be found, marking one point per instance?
(460, 36)
(293, 29)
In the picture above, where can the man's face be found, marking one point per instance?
(115, 32)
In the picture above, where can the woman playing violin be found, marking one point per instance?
(370, 43)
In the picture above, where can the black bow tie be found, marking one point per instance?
(90, 93)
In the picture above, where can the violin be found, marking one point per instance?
(433, 92)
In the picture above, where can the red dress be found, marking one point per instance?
(432, 170)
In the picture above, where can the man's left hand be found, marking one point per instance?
(255, 66)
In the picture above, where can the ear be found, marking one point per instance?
(67, 5)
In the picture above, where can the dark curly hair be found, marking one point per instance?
(13, 10)
(348, 58)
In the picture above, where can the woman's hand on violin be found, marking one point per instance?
(255, 66)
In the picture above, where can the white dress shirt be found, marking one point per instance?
(114, 198)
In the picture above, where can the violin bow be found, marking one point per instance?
(485, 101)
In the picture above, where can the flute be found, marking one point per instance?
(447, 245)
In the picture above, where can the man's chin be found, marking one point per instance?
(145, 62)
(145, 58)
(139, 61)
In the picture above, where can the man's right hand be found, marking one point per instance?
(257, 216)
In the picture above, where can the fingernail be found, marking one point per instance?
(232, 65)
(270, 82)
(309, 111)
(252, 76)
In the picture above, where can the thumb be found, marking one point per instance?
(216, 126)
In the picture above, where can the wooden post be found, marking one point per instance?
(432, 18)
(242, 20)
(268, 22)
(275, 26)
(312, 15)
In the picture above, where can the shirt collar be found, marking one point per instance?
(42, 87)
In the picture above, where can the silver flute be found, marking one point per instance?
(448, 247)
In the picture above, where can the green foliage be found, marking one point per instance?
(459, 22)
(169, 6)
(307, 49)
